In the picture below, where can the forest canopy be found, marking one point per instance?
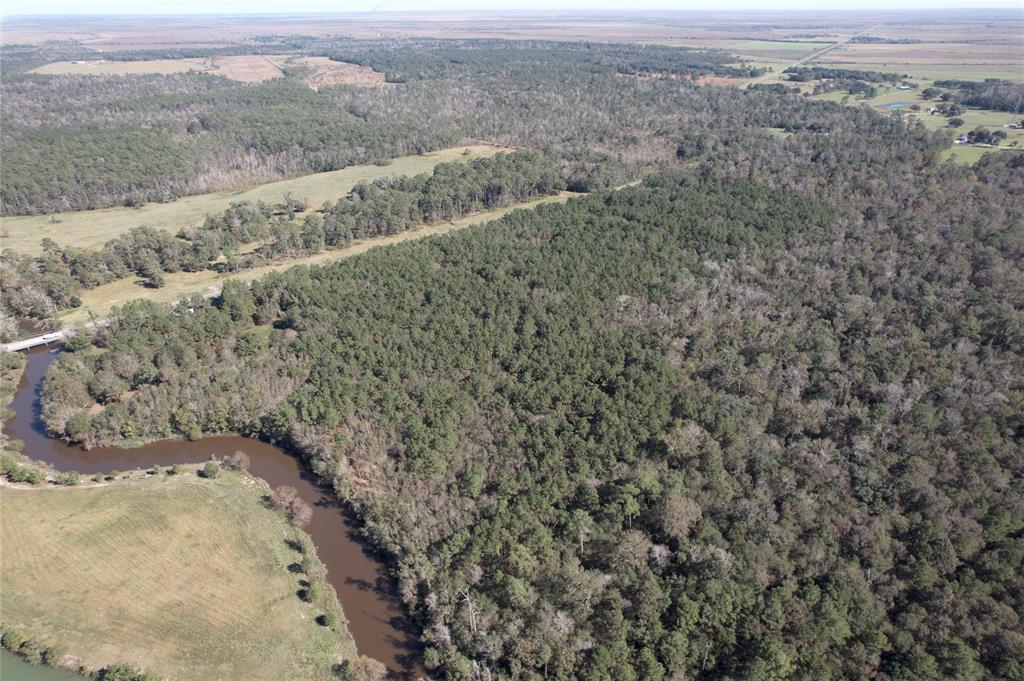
(755, 419)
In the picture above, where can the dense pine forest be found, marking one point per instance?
(757, 417)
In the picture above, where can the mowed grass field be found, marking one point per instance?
(246, 68)
(182, 576)
(93, 228)
(122, 68)
(99, 301)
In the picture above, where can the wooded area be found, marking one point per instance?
(757, 418)
(125, 140)
(39, 287)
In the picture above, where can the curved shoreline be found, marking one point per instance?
(362, 582)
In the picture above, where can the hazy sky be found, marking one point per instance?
(9, 7)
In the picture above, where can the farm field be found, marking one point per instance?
(183, 576)
(93, 228)
(928, 71)
(99, 301)
(246, 68)
(249, 68)
(122, 68)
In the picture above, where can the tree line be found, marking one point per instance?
(41, 286)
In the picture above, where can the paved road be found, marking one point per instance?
(813, 56)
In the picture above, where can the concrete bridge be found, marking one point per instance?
(64, 334)
(36, 341)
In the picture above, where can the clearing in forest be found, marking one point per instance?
(182, 576)
(100, 300)
(93, 228)
(246, 68)
(327, 72)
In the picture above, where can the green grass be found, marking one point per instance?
(927, 71)
(773, 48)
(182, 576)
(92, 228)
(966, 155)
(972, 118)
(100, 300)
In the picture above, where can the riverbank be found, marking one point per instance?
(182, 576)
(361, 581)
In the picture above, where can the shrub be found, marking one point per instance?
(211, 470)
(238, 461)
(12, 640)
(124, 672)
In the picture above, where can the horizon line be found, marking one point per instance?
(1014, 7)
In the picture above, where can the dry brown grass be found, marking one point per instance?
(246, 68)
(327, 72)
(249, 68)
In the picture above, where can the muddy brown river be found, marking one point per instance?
(362, 582)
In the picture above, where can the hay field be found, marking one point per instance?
(122, 68)
(93, 228)
(246, 68)
(100, 300)
(994, 57)
(182, 576)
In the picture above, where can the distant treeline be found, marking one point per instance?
(997, 95)
(73, 142)
(485, 55)
(806, 73)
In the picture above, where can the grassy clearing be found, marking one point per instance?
(926, 71)
(183, 576)
(100, 300)
(248, 68)
(775, 49)
(967, 155)
(327, 72)
(889, 96)
(122, 68)
(92, 228)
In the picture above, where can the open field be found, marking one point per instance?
(771, 49)
(122, 68)
(183, 576)
(697, 28)
(249, 68)
(327, 72)
(100, 300)
(929, 71)
(93, 228)
(891, 99)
